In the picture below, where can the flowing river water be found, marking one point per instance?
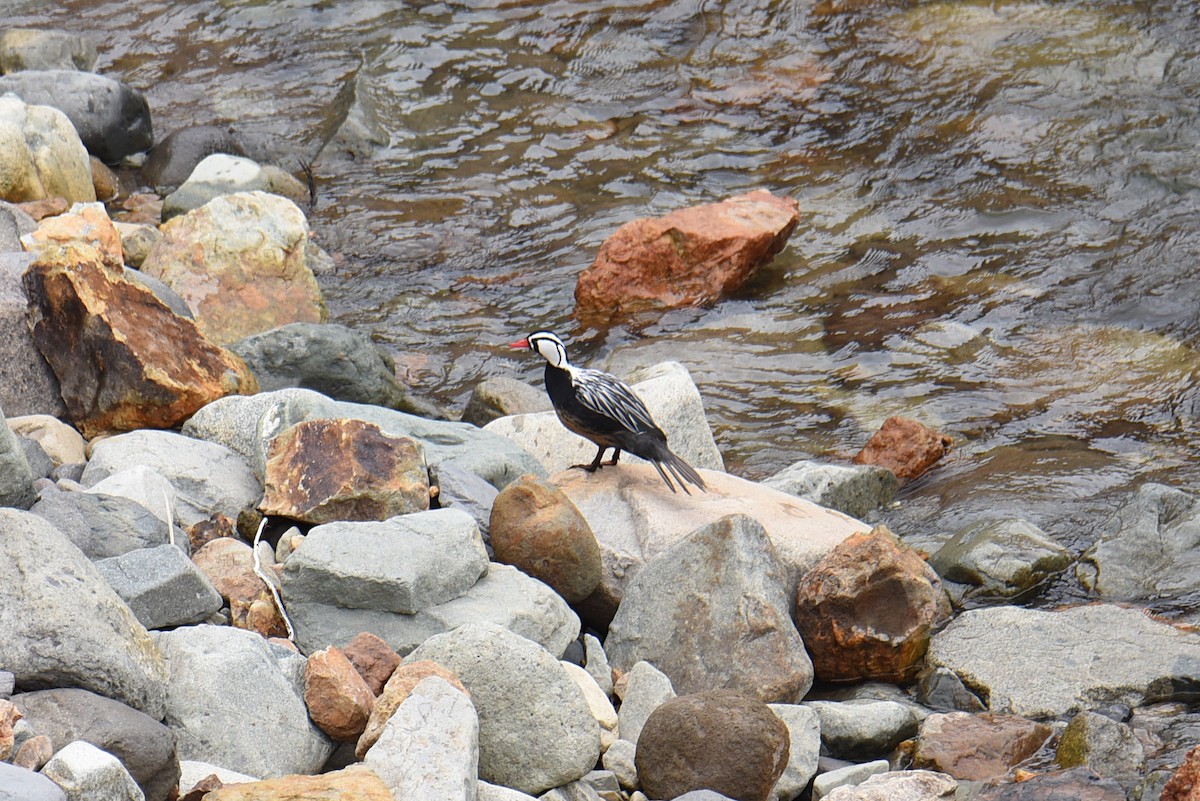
(999, 232)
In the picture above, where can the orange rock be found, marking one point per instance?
(977, 747)
(1184, 785)
(868, 609)
(688, 257)
(34, 753)
(339, 701)
(41, 209)
(373, 658)
(84, 234)
(229, 565)
(905, 447)
(319, 471)
(9, 715)
(104, 180)
(124, 360)
(399, 687)
(356, 782)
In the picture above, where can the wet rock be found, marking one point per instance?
(673, 401)
(977, 747)
(1014, 656)
(689, 257)
(905, 785)
(222, 174)
(102, 526)
(804, 749)
(237, 701)
(635, 519)
(173, 159)
(207, 477)
(1077, 784)
(854, 490)
(535, 729)
(84, 636)
(242, 263)
(40, 154)
(373, 658)
(868, 609)
(847, 776)
(1147, 549)
(356, 781)
(1107, 746)
(1002, 557)
(229, 565)
(711, 613)
(162, 587)
(601, 708)
(905, 447)
(720, 740)
(321, 471)
(338, 699)
(85, 233)
(1184, 784)
(25, 785)
(863, 729)
(84, 771)
(61, 443)
(30, 49)
(398, 688)
(463, 490)
(85, 317)
(941, 690)
(112, 118)
(143, 745)
(646, 689)
(429, 748)
(535, 528)
(16, 479)
(501, 396)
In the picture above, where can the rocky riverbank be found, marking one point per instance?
(241, 561)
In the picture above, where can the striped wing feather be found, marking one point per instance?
(613, 398)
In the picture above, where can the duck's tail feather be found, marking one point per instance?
(681, 470)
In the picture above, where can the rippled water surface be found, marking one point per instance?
(999, 233)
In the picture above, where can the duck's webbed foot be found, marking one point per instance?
(596, 463)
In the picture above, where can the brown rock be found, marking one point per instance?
(1184, 785)
(373, 658)
(141, 208)
(398, 688)
(719, 740)
(9, 715)
(202, 788)
(535, 528)
(905, 447)
(1076, 784)
(104, 180)
(229, 565)
(124, 360)
(34, 753)
(41, 209)
(216, 527)
(977, 747)
(84, 234)
(688, 257)
(240, 262)
(355, 783)
(868, 609)
(338, 699)
(320, 471)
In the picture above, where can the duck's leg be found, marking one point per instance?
(616, 456)
(595, 465)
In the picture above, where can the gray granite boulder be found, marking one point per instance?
(84, 771)
(207, 477)
(712, 612)
(535, 729)
(103, 526)
(32, 49)
(863, 729)
(61, 625)
(1002, 558)
(1042, 664)
(404, 564)
(237, 701)
(856, 490)
(16, 479)
(162, 586)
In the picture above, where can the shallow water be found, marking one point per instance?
(999, 236)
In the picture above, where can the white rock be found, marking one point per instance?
(85, 773)
(63, 444)
(597, 701)
(597, 663)
(143, 485)
(848, 776)
(191, 772)
(496, 792)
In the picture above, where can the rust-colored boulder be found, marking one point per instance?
(535, 528)
(241, 262)
(905, 447)
(719, 740)
(34, 752)
(1184, 785)
(9, 715)
(688, 257)
(321, 471)
(339, 701)
(124, 360)
(977, 747)
(398, 688)
(41, 209)
(357, 782)
(373, 658)
(214, 528)
(868, 609)
(85, 233)
(229, 565)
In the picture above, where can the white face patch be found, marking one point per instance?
(550, 348)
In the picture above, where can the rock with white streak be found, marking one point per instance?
(429, 748)
(86, 773)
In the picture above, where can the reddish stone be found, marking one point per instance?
(216, 527)
(124, 360)
(688, 257)
(905, 447)
(868, 609)
(373, 658)
(1184, 785)
(1076, 784)
(141, 209)
(104, 180)
(320, 471)
(41, 209)
(357, 782)
(229, 565)
(9, 715)
(84, 234)
(339, 701)
(202, 788)
(977, 747)
(34, 753)
(398, 688)
(535, 528)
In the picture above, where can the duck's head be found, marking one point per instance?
(549, 346)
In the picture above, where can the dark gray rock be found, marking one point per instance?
(943, 691)
(162, 586)
(103, 526)
(21, 784)
(501, 396)
(145, 746)
(40, 463)
(463, 490)
(30, 49)
(112, 118)
(16, 479)
(172, 160)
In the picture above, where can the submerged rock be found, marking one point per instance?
(172, 160)
(977, 747)
(31, 49)
(224, 174)
(1003, 557)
